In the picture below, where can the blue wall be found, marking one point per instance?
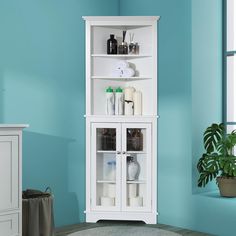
(206, 73)
(42, 83)
(42, 72)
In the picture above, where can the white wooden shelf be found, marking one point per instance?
(136, 152)
(122, 116)
(134, 78)
(106, 181)
(136, 182)
(128, 152)
(103, 151)
(122, 56)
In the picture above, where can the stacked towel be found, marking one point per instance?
(122, 69)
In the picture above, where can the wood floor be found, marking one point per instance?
(82, 226)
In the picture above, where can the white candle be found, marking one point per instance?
(107, 201)
(132, 188)
(136, 201)
(129, 93)
(137, 98)
(111, 190)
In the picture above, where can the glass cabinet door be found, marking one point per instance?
(105, 169)
(136, 167)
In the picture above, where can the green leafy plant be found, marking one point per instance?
(218, 160)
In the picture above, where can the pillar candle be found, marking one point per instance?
(136, 201)
(107, 201)
(137, 98)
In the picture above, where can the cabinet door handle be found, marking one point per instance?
(123, 152)
(118, 152)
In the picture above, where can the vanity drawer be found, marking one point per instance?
(9, 225)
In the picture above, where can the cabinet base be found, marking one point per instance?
(148, 218)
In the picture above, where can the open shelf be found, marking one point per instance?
(103, 151)
(136, 152)
(134, 117)
(142, 35)
(122, 56)
(136, 182)
(121, 78)
(106, 182)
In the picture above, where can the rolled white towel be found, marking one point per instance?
(128, 72)
(122, 64)
(117, 73)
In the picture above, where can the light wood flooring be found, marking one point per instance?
(82, 226)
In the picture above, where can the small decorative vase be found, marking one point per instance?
(133, 168)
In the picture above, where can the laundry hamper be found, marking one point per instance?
(37, 213)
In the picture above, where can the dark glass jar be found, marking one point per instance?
(108, 140)
(137, 140)
(112, 45)
(113, 137)
(129, 139)
(123, 48)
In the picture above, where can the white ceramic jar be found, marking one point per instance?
(133, 168)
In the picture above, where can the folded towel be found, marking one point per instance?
(128, 72)
(117, 72)
(122, 64)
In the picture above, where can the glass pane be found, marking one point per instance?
(231, 24)
(106, 167)
(231, 88)
(136, 187)
(106, 139)
(136, 174)
(134, 139)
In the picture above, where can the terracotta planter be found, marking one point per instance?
(227, 186)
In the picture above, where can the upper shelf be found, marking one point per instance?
(134, 78)
(126, 56)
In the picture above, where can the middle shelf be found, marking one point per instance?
(134, 78)
(128, 152)
(122, 56)
(128, 182)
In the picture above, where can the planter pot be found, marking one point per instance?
(227, 186)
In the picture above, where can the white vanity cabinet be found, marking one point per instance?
(10, 180)
(117, 143)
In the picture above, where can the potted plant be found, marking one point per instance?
(219, 161)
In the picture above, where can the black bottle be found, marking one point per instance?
(111, 45)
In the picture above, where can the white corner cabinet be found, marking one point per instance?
(10, 180)
(121, 150)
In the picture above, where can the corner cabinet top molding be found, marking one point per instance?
(118, 19)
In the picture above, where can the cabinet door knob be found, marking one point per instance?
(118, 152)
(123, 152)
